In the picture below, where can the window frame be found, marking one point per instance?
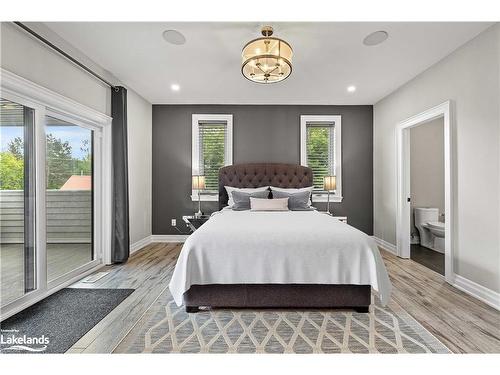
(195, 150)
(321, 196)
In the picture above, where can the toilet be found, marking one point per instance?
(430, 229)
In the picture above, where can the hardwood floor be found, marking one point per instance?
(148, 272)
(462, 323)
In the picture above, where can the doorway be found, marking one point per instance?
(427, 216)
(424, 215)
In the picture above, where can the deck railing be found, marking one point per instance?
(69, 216)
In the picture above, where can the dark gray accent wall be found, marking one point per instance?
(261, 133)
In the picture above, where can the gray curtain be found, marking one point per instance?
(120, 246)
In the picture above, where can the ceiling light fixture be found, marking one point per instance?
(175, 87)
(267, 59)
(375, 38)
(174, 37)
(351, 88)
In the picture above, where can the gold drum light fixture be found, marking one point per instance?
(267, 59)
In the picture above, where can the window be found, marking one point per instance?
(212, 148)
(320, 149)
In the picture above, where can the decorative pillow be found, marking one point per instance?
(297, 200)
(257, 204)
(292, 190)
(230, 189)
(242, 200)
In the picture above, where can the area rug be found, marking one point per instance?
(166, 328)
(54, 324)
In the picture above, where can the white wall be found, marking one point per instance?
(470, 77)
(139, 115)
(27, 57)
(427, 164)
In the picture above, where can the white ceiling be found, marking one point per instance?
(327, 58)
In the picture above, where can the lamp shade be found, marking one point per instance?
(329, 183)
(198, 182)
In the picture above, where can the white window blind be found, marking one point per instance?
(213, 140)
(320, 151)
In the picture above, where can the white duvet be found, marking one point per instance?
(292, 247)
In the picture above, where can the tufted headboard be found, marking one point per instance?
(252, 175)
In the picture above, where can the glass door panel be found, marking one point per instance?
(17, 201)
(69, 196)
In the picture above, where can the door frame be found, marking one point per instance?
(45, 101)
(443, 110)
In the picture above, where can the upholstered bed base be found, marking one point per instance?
(357, 297)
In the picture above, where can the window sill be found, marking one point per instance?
(205, 197)
(324, 198)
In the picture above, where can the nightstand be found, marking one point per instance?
(339, 218)
(194, 223)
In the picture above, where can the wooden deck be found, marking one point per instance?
(61, 258)
(461, 322)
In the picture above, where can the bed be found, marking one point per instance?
(292, 259)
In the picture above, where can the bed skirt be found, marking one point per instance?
(357, 297)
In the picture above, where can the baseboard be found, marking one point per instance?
(480, 292)
(169, 238)
(136, 246)
(386, 245)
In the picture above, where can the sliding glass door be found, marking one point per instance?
(53, 175)
(17, 201)
(69, 196)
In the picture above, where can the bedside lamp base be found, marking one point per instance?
(198, 214)
(328, 205)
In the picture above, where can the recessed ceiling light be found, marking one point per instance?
(175, 87)
(375, 38)
(174, 37)
(351, 88)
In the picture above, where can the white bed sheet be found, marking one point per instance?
(293, 247)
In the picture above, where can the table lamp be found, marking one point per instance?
(329, 184)
(198, 184)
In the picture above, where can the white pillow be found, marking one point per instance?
(230, 189)
(294, 190)
(259, 204)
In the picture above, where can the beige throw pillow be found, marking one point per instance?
(259, 204)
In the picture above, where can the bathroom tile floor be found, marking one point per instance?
(428, 258)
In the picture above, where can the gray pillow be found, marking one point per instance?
(242, 200)
(297, 201)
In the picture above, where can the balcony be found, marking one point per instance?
(69, 236)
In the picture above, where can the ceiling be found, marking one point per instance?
(328, 57)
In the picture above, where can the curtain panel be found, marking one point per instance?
(120, 242)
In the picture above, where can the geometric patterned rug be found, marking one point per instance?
(166, 328)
